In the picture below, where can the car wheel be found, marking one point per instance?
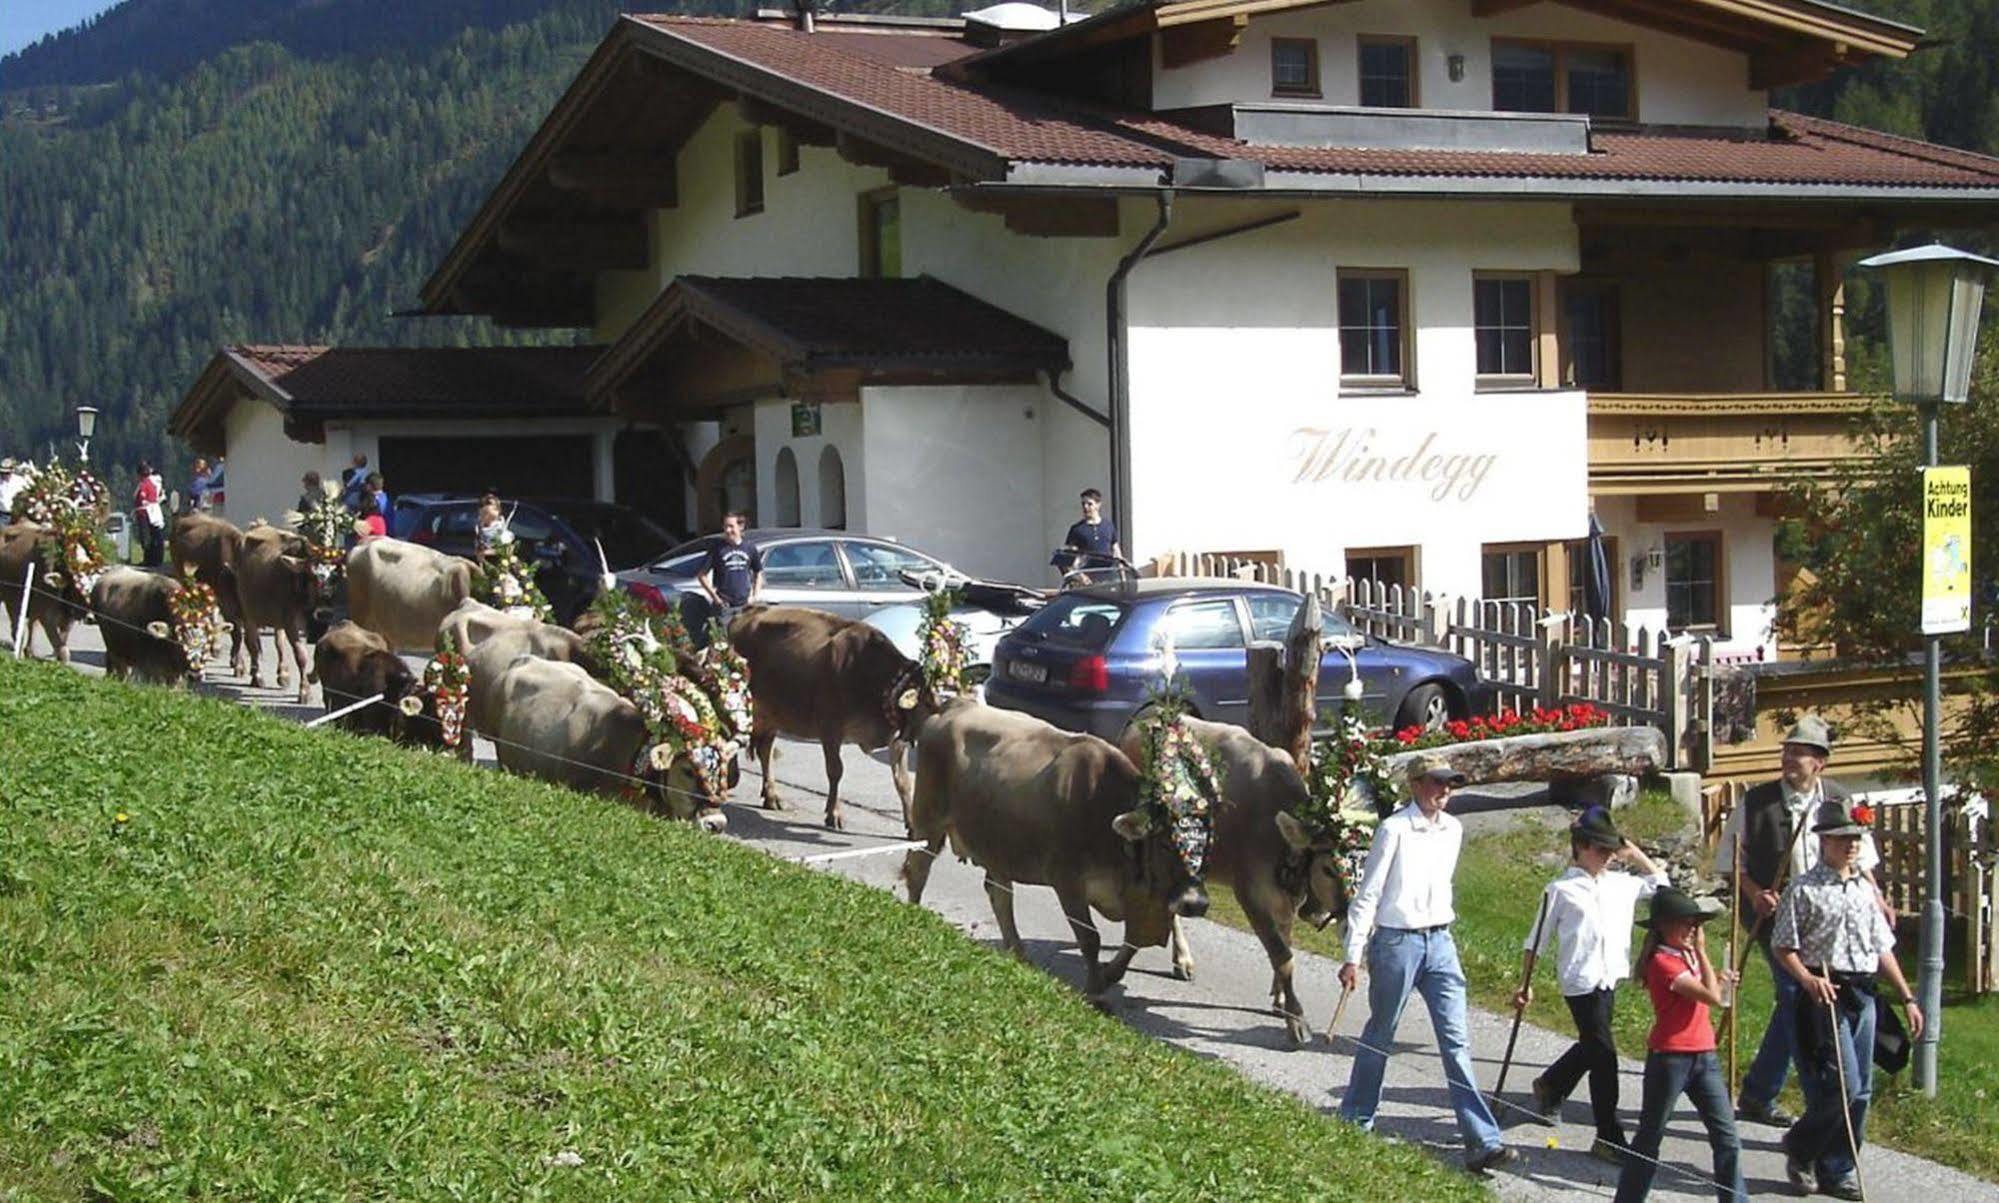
(1427, 706)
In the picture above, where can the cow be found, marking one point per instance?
(837, 680)
(276, 588)
(127, 602)
(498, 637)
(556, 723)
(352, 664)
(402, 591)
(1032, 804)
(1277, 865)
(212, 546)
(54, 606)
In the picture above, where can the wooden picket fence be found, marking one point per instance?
(1525, 657)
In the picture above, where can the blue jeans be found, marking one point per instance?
(1667, 1077)
(1765, 1079)
(1398, 962)
(1820, 1133)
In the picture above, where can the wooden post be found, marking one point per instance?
(1827, 275)
(1284, 686)
(1675, 669)
(1551, 653)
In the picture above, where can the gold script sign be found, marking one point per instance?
(1352, 455)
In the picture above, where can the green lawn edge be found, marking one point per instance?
(1498, 887)
(240, 959)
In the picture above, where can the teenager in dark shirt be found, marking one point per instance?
(1092, 542)
(733, 574)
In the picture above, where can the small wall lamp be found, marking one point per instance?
(1456, 63)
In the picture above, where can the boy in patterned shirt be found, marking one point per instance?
(1832, 938)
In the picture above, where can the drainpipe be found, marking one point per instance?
(1118, 354)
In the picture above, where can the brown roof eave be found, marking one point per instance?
(209, 398)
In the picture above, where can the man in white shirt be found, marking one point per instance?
(10, 484)
(1400, 922)
(1586, 916)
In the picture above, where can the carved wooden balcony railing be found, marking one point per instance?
(1715, 442)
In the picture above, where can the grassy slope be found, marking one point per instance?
(1498, 887)
(307, 965)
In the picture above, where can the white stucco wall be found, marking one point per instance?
(264, 464)
(1680, 81)
(840, 427)
(1748, 569)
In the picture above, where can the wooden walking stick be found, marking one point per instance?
(1735, 991)
(1526, 978)
(1845, 1100)
(1339, 1009)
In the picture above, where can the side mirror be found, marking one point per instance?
(1349, 642)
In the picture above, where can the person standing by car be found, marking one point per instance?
(149, 514)
(1092, 541)
(733, 574)
(197, 487)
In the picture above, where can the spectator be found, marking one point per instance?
(311, 492)
(733, 574)
(353, 482)
(215, 498)
(198, 485)
(11, 483)
(491, 523)
(381, 495)
(148, 513)
(1091, 542)
(370, 524)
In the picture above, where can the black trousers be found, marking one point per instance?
(1594, 1054)
(152, 540)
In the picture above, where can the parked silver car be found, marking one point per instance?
(840, 572)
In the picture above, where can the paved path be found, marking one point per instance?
(1222, 1013)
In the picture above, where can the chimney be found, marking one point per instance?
(803, 11)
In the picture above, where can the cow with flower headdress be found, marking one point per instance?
(1032, 804)
(58, 530)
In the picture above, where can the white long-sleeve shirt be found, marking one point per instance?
(1804, 850)
(1588, 923)
(1407, 882)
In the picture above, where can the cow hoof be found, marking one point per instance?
(836, 822)
(1301, 1034)
(305, 695)
(1183, 971)
(771, 802)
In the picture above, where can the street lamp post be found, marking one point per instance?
(1934, 294)
(86, 425)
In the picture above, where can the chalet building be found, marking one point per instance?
(1402, 288)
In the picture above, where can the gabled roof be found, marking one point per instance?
(311, 384)
(903, 331)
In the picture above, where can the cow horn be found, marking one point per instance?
(1133, 825)
(605, 581)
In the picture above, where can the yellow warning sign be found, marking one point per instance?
(1946, 550)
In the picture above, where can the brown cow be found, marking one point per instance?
(54, 608)
(213, 546)
(276, 588)
(837, 680)
(353, 664)
(127, 602)
(1277, 866)
(1032, 804)
(402, 591)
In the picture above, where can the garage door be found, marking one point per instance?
(542, 466)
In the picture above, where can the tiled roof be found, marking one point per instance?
(1035, 127)
(427, 381)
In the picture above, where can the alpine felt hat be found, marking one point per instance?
(1669, 903)
(1812, 732)
(1837, 818)
(1435, 767)
(1594, 826)
(7, 464)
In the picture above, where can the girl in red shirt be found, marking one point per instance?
(1673, 964)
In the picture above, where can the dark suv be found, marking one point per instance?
(558, 535)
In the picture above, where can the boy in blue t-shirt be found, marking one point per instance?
(733, 574)
(1092, 542)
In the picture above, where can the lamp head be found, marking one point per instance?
(86, 421)
(1934, 295)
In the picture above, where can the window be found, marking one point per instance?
(787, 152)
(787, 487)
(1204, 625)
(808, 565)
(1271, 614)
(1579, 575)
(1383, 565)
(881, 564)
(1077, 620)
(1374, 329)
(1503, 323)
(881, 234)
(1562, 77)
(1294, 67)
(1388, 73)
(749, 172)
(1693, 581)
(1590, 335)
(1511, 574)
(832, 489)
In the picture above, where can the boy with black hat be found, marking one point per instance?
(1683, 982)
(1832, 938)
(1586, 915)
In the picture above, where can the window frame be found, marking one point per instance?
(844, 583)
(1561, 48)
(867, 204)
(749, 166)
(1415, 77)
(1540, 553)
(1313, 88)
(1715, 537)
(1499, 382)
(1366, 383)
(787, 152)
(1188, 605)
(1608, 289)
(1406, 553)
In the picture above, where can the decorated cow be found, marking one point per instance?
(402, 591)
(210, 548)
(354, 664)
(276, 589)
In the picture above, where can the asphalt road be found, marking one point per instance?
(1222, 1012)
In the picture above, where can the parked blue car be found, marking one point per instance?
(1087, 660)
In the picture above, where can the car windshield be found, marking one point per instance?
(878, 564)
(629, 538)
(1085, 622)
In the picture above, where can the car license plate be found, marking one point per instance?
(1021, 670)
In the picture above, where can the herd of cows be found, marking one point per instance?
(1028, 803)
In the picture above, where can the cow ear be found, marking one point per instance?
(1295, 833)
(293, 564)
(1133, 825)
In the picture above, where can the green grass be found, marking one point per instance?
(306, 965)
(1498, 888)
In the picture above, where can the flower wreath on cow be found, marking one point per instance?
(326, 527)
(696, 704)
(943, 647)
(448, 681)
(1178, 783)
(1348, 790)
(504, 582)
(197, 621)
(73, 506)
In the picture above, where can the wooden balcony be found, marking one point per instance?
(1641, 443)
